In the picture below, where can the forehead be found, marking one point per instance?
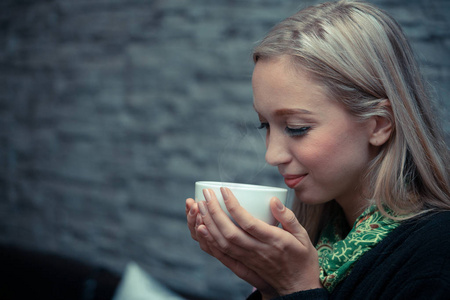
(277, 81)
(281, 90)
(276, 67)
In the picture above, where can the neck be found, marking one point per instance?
(352, 209)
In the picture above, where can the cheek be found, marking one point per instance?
(320, 150)
(333, 154)
(347, 157)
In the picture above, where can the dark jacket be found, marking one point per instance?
(412, 262)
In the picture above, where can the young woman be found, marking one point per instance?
(350, 128)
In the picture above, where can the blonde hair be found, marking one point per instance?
(364, 60)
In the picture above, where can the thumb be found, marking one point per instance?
(288, 220)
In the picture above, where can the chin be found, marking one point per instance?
(310, 199)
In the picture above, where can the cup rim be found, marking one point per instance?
(240, 186)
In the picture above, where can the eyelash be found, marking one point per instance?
(297, 131)
(263, 126)
(293, 132)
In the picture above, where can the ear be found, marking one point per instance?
(381, 126)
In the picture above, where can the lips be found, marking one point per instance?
(293, 180)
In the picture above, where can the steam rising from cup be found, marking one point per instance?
(242, 158)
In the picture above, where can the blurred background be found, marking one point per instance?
(110, 110)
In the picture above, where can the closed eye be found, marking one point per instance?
(263, 125)
(294, 132)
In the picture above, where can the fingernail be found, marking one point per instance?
(280, 205)
(192, 211)
(207, 195)
(224, 193)
(198, 220)
(201, 206)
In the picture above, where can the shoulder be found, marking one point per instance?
(430, 226)
(422, 243)
(423, 257)
(418, 248)
(412, 262)
(434, 218)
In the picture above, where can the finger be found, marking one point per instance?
(203, 239)
(253, 226)
(241, 270)
(191, 216)
(195, 222)
(289, 221)
(209, 245)
(202, 234)
(189, 203)
(212, 247)
(225, 235)
(198, 221)
(227, 231)
(214, 233)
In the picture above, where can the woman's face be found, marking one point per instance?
(318, 147)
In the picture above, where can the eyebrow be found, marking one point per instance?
(288, 111)
(295, 111)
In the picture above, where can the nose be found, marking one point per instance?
(277, 152)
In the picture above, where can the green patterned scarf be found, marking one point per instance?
(337, 255)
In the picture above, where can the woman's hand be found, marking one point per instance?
(191, 216)
(199, 232)
(194, 220)
(270, 258)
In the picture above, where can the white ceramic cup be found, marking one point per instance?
(253, 198)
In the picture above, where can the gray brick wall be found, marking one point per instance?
(111, 110)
